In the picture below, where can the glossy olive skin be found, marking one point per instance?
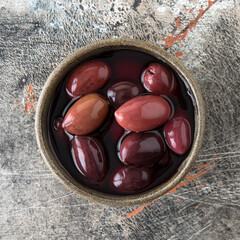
(159, 79)
(142, 149)
(89, 157)
(121, 92)
(87, 78)
(177, 133)
(130, 179)
(143, 113)
(86, 114)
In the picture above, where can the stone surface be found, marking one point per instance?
(35, 35)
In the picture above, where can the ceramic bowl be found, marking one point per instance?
(57, 76)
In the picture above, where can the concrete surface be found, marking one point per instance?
(35, 35)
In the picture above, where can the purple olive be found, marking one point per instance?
(142, 149)
(89, 157)
(121, 92)
(159, 79)
(87, 78)
(131, 179)
(177, 133)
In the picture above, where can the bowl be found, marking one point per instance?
(57, 76)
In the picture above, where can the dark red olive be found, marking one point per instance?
(89, 157)
(177, 133)
(121, 92)
(159, 79)
(131, 179)
(143, 148)
(88, 78)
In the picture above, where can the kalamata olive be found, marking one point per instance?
(89, 157)
(131, 179)
(177, 133)
(143, 113)
(144, 148)
(86, 114)
(88, 77)
(159, 79)
(121, 92)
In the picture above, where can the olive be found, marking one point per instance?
(89, 157)
(142, 149)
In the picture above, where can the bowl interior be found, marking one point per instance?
(57, 76)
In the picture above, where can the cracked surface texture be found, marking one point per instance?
(35, 35)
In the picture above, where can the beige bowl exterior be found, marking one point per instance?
(57, 76)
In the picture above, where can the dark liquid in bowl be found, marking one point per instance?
(126, 65)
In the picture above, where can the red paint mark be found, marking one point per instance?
(189, 177)
(66, 45)
(177, 200)
(138, 210)
(30, 100)
(170, 40)
(201, 186)
(197, 207)
(177, 21)
(219, 181)
(190, 11)
(178, 54)
(204, 165)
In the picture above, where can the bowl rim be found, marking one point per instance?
(44, 100)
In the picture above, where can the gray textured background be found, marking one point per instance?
(35, 35)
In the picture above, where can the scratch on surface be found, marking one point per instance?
(170, 40)
(30, 100)
(35, 206)
(189, 178)
(218, 158)
(198, 232)
(222, 153)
